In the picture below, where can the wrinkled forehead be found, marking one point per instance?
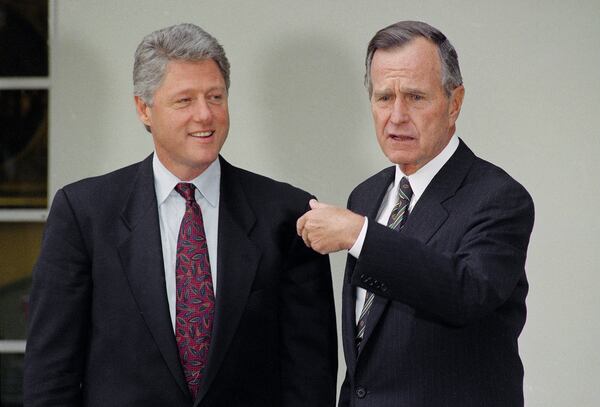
(418, 58)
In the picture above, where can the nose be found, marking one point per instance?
(399, 111)
(202, 112)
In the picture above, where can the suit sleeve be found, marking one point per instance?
(308, 351)
(458, 286)
(59, 313)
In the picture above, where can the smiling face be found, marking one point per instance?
(414, 118)
(189, 118)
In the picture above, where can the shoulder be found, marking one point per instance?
(475, 179)
(113, 180)
(111, 189)
(490, 191)
(373, 185)
(103, 183)
(490, 179)
(387, 174)
(262, 191)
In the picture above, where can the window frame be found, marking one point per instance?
(17, 346)
(45, 83)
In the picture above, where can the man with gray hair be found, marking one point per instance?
(180, 281)
(435, 285)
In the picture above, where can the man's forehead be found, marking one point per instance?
(418, 51)
(179, 64)
(203, 70)
(417, 58)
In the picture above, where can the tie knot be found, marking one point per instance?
(405, 191)
(186, 190)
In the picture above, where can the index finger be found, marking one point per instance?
(300, 224)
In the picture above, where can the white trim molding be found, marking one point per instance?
(12, 346)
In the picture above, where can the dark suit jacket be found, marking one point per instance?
(450, 292)
(100, 330)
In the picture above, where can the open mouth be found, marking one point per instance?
(400, 137)
(202, 134)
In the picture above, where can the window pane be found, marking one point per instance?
(23, 38)
(23, 148)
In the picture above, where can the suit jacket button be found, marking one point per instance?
(383, 287)
(361, 392)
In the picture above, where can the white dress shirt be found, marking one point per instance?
(171, 208)
(418, 182)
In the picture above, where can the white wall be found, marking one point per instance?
(299, 113)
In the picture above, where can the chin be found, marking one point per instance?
(205, 157)
(400, 159)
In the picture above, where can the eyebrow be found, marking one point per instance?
(186, 91)
(414, 91)
(387, 91)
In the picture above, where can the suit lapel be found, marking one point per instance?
(238, 259)
(429, 213)
(140, 251)
(367, 204)
(427, 216)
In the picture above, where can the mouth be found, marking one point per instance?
(202, 134)
(401, 137)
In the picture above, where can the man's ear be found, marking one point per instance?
(143, 111)
(456, 99)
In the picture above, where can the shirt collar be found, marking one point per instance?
(423, 176)
(207, 183)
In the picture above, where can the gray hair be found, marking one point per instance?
(184, 42)
(399, 34)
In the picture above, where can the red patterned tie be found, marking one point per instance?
(195, 306)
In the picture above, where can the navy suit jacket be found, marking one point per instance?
(100, 330)
(449, 292)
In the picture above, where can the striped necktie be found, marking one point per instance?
(396, 221)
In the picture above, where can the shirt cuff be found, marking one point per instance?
(357, 247)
